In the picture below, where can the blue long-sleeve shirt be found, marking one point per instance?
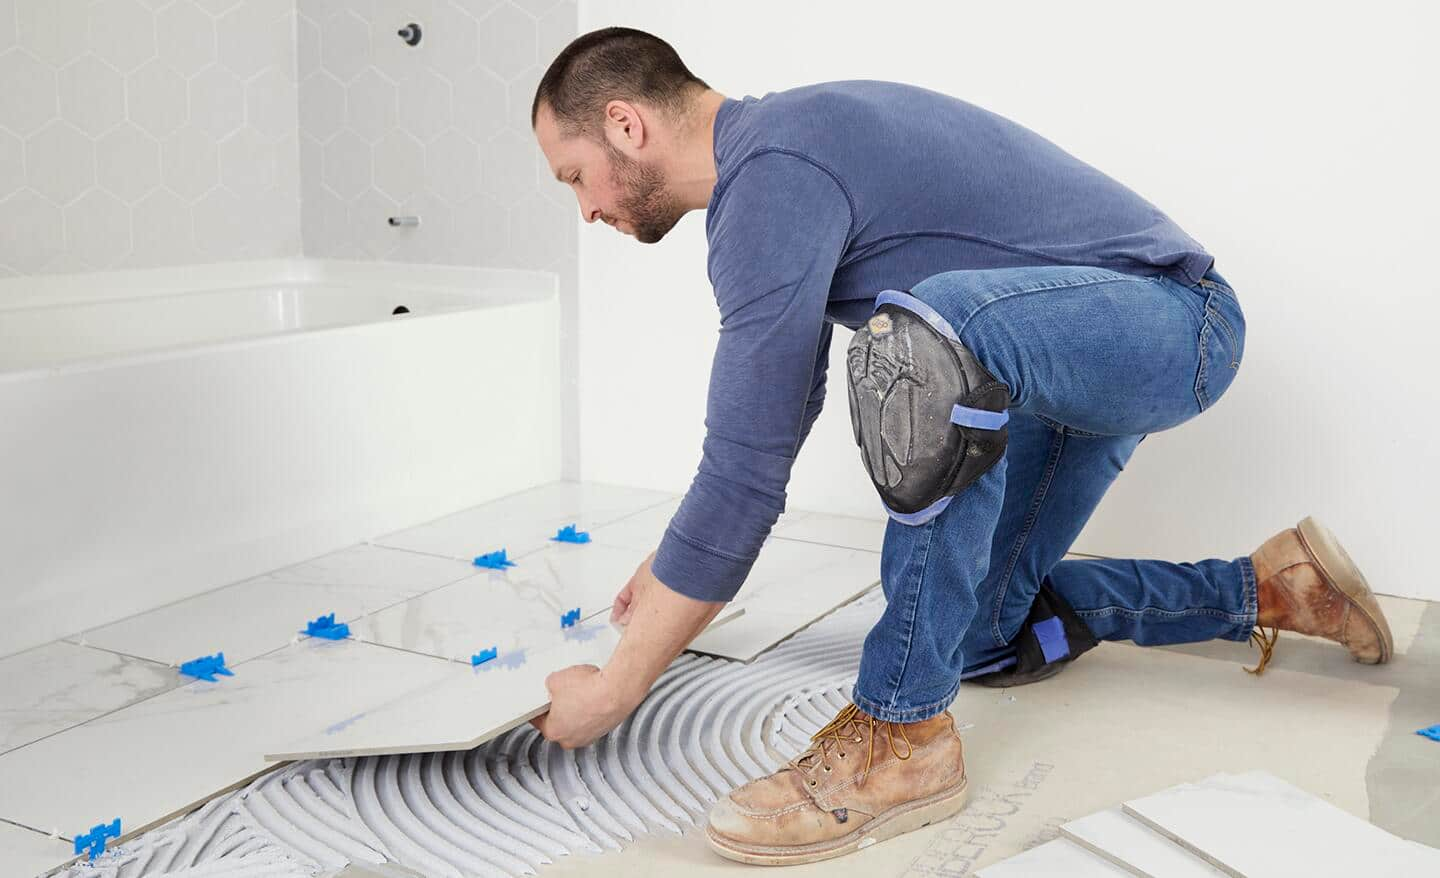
(824, 196)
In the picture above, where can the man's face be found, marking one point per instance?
(624, 192)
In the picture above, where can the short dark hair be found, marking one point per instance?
(613, 63)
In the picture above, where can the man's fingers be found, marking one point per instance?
(539, 724)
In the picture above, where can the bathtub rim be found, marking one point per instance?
(494, 288)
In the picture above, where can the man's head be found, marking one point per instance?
(611, 114)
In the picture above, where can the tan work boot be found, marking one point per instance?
(845, 793)
(1307, 583)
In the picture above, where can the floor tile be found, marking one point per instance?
(524, 522)
(517, 609)
(831, 530)
(1257, 825)
(25, 853)
(1054, 859)
(791, 585)
(461, 712)
(50, 688)
(457, 711)
(251, 618)
(166, 754)
(641, 531)
(1129, 843)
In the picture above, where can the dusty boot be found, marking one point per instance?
(845, 793)
(1308, 584)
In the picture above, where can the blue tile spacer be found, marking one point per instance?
(325, 627)
(568, 534)
(1433, 733)
(206, 667)
(483, 656)
(494, 560)
(570, 618)
(93, 842)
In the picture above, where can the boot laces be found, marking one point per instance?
(1266, 642)
(838, 733)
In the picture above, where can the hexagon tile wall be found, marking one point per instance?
(138, 133)
(440, 130)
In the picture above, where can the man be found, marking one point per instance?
(1022, 322)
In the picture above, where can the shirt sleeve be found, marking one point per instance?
(776, 234)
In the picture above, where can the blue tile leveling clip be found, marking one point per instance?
(325, 627)
(568, 534)
(1433, 733)
(484, 656)
(93, 842)
(570, 618)
(494, 560)
(206, 667)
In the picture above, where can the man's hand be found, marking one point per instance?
(586, 701)
(584, 705)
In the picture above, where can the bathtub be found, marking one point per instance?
(165, 432)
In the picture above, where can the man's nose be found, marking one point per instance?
(590, 213)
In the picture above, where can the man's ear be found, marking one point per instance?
(624, 128)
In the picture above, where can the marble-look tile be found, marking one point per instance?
(455, 712)
(515, 609)
(1129, 843)
(524, 522)
(53, 687)
(1054, 859)
(258, 615)
(640, 531)
(832, 530)
(791, 585)
(25, 853)
(464, 711)
(1256, 825)
(165, 755)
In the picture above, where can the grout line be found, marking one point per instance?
(775, 536)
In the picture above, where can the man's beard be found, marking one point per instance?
(645, 204)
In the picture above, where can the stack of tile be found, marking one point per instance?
(1251, 825)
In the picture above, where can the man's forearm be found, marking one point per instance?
(663, 624)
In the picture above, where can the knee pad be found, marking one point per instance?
(929, 419)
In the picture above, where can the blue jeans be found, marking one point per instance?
(1095, 360)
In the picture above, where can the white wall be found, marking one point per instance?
(132, 138)
(1296, 142)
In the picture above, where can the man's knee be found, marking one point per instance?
(928, 417)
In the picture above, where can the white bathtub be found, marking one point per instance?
(165, 432)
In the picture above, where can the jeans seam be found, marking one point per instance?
(1100, 612)
(1212, 285)
(907, 715)
(1251, 588)
(1031, 515)
(1212, 313)
(914, 609)
(1201, 396)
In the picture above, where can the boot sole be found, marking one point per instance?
(888, 824)
(1335, 563)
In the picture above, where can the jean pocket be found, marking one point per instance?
(1222, 346)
